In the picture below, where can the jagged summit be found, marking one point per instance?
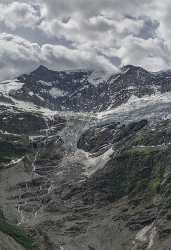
(129, 68)
(123, 69)
(44, 69)
(41, 68)
(132, 68)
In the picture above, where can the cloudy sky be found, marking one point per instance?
(96, 34)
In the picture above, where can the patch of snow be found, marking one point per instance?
(14, 162)
(131, 87)
(46, 84)
(39, 97)
(152, 237)
(6, 87)
(55, 92)
(31, 93)
(143, 234)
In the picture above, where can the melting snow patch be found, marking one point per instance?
(55, 92)
(39, 97)
(146, 235)
(14, 162)
(31, 93)
(142, 235)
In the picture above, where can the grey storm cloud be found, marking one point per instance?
(94, 34)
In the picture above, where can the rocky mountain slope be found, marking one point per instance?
(94, 180)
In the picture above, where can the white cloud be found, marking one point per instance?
(91, 8)
(17, 55)
(60, 57)
(150, 54)
(84, 34)
(19, 14)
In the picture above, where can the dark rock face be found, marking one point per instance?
(22, 123)
(136, 81)
(97, 139)
(61, 90)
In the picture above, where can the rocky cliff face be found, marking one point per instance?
(85, 180)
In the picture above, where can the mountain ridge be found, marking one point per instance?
(86, 90)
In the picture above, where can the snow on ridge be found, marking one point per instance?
(11, 85)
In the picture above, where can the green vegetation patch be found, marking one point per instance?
(155, 185)
(143, 151)
(17, 234)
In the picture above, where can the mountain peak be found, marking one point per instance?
(131, 67)
(41, 68)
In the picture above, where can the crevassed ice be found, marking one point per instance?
(155, 103)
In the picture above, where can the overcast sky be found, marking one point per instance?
(90, 34)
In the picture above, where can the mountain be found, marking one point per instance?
(82, 90)
(85, 160)
(63, 90)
